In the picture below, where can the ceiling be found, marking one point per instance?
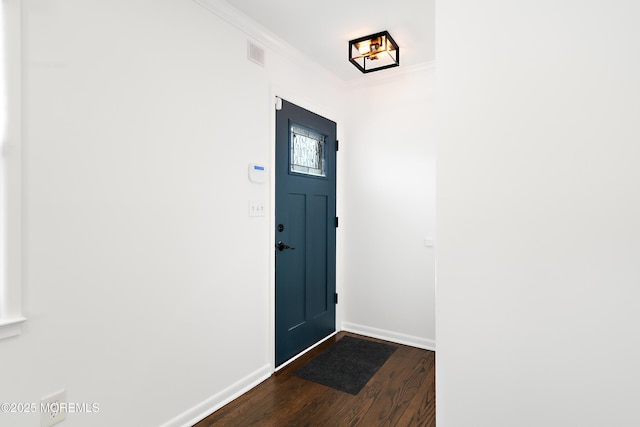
(322, 29)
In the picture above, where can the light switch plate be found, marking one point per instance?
(256, 208)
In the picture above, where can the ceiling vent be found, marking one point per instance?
(255, 54)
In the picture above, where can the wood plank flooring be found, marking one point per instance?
(401, 393)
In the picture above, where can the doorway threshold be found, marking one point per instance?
(305, 351)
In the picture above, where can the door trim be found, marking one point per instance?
(308, 104)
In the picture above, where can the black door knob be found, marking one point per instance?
(282, 246)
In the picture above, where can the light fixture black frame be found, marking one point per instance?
(373, 36)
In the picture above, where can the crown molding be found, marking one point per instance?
(269, 40)
(262, 35)
(389, 75)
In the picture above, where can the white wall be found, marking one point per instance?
(538, 207)
(389, 207)
(146, 285)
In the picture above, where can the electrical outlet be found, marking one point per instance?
(53, 408)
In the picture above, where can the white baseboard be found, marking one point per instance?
(218, 400)
(390, 336)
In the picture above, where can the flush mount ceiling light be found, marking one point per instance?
(374, 52)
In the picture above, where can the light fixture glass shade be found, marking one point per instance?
(374, 52)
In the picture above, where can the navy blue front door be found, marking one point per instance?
(305, 229)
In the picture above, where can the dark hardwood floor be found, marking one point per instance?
(401, 393)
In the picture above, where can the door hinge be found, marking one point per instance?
(336, 298)
(336, 222)
(278, 102)
(337, 144)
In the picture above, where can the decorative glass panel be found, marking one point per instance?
(308, 154)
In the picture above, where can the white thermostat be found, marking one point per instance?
(257, 173)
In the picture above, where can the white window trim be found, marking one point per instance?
(11, 315)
